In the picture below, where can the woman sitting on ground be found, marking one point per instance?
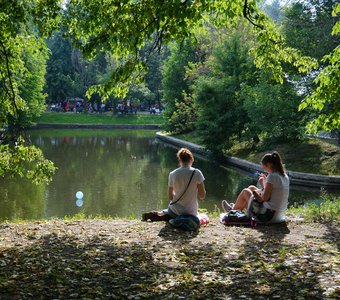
(185, 185)
(274, 191)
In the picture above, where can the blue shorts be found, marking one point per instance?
(169, 212)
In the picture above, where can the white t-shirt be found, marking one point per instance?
(178, 180)
(279, 197)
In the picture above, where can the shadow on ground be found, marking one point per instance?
(259, 264)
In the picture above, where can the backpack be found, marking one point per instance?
(186, 222)
(237, 217)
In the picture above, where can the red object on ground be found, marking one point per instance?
(204, 219)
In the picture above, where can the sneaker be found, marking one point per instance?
(227, 206)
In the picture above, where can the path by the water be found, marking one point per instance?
(98, 259)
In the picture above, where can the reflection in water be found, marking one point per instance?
(115, 173)
(79, 202)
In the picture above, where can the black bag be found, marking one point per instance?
(237, 217)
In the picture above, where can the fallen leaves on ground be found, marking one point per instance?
(101, 259)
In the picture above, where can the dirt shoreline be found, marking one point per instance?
(129, 259)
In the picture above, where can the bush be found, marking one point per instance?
(184, 117)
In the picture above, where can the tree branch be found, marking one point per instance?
(12, 97)
(248, 16)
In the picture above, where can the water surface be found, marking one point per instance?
(120, 172)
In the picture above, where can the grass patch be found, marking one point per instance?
(81, 216)
(192, 137)
(309, 156)
(51, 132)
(327, 211)
(106, 118)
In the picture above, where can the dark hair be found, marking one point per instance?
(185, 156)
(275, 159)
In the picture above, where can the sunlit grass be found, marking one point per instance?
(309, 156)
(106, 118)
(327, 211)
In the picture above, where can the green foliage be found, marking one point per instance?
(69, 74)
(174, 82)
(61, 78)
(124, 28)
(22, 69)
(325, 99)
(32, 85)
(327, 211)
(184, 117)
(271, 50)
(26, 162)
(140, 93)
(154, 62)
(308, 26)
(221, 115)
(272, 109)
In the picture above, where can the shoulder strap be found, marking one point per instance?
(192, 175)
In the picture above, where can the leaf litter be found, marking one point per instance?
(125, 259)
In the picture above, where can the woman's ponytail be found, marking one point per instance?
(277, 162)
(275, 159)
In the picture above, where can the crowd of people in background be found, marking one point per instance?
(78, 105)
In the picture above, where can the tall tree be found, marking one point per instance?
(153, 77)
(174, 83)
(68, 73)
(22, 67)
(221, 115)
(325, 99)
(308, 27)
(61, 77)
(275, 10)
(313, 27)
(122, 28)
(272, 110)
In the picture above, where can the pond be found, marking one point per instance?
(121, 173)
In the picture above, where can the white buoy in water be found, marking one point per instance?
(79, 195)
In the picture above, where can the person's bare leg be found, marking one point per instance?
(253, 188)
(242, 199)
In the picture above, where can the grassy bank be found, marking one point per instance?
(328, 211)
(120, 259)
(106, 118)
(311, 156)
